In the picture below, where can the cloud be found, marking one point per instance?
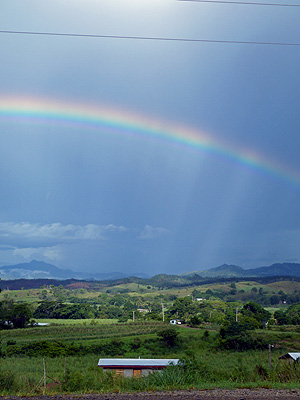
(150, 232)
(68, 245)
(56, 231)
(49, 253)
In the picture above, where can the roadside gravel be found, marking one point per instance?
(216, 394)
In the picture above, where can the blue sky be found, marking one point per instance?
(107, 201)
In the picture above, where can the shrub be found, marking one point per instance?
(169, 337)
(236, 336)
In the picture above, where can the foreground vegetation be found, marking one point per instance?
(220, 343)
(81, 375)
(71, 353)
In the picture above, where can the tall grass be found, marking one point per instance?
(24, 376)
(205, 365)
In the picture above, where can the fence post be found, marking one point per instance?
(44, 375)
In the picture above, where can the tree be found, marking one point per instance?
(53, 309)
(5, 308)
(291, 316)
(256, 311)
(254, 290)
(182, 307)
(45, 309)
(195, 320)
(282, 318)
(14, 315)
(274, 299)
(235, 335)
(168, 336)
(20, 315)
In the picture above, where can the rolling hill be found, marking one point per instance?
(228, 271)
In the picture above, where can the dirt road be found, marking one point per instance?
(216, 394)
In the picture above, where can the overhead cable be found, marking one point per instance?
(149, 38)
(242, 3)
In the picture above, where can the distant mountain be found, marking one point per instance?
(229, 271)
(224, 270)
(41, 270)
(290, 269)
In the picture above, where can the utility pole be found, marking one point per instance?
(236, 314)
(133, 316)
(163, 311)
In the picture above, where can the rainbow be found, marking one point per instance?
(47, 111)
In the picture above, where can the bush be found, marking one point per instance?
(195, 320)
(236, 336)
(169, 337)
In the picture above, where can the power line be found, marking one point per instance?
(149, 38)
(243, 3)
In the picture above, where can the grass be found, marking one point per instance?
(80, 332)
(217, 369)
(78, 321)
(209, 368)
(285, 286)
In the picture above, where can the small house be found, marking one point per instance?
(135, 367)
(290, 356)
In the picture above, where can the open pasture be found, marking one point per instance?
(79, 332)
(285, 286)
(84, 322)
(209, 368)
(208, 365)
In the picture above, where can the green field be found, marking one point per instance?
(213, 367)
(71, 347)
(87, 321)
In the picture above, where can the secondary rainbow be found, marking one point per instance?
(99, 118)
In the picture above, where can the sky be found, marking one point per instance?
(144, 155)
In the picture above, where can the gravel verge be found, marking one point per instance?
(216, 394)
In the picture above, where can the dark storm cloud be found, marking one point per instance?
(135, 202)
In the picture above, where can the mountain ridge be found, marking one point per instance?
(42, 270)
(228, 271)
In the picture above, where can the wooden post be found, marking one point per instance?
(44, 364)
